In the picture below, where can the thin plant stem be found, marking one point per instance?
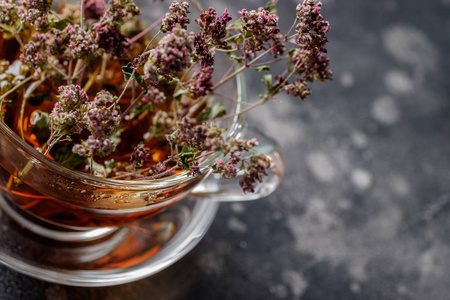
(77, 68)
(61, 72)
(25, 97)
(146, 30)
(271, 61)
(3, 97)
(122, 115)
(69, 79)
(15, 32)
(197, 5)
(241, 69)
(230, 98)
(55, 14)
(81, 14)
(134, 72)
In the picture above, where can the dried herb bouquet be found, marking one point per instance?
(94, 88)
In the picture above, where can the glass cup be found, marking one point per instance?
(98, 231)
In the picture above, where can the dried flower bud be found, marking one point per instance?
(101, 116)
(93, 145)
(79, 43)
(35, 52)
(8, 12)
(226, 169)
(298, 88)
(176, 17)
(202, 52)
(35, 12)
(110, 40)
(67, 113)
(140, 156)
(171, 56)
(260, 26)
(118, 10)
(201, 83)
(256, 168)
(213, 28)
(311, 27)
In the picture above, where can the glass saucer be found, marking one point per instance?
(125, 254)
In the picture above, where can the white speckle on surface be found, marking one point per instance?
(359, 139)
(321, 166)
(270, 120)
(295, 281)
(347, 79)
(427, 263)
(243, 244)
(361, 179)
(402, 289)
(399, 185)
(398, 82)
(408, 45)
(357, 268)
(355, 287)
(317, 232)
(279, 290)
(385, 110)
(277, 215)
(236, 225)
(318, 209)
(344, 204)
(211, 263)
(385, 225)
(237, 207)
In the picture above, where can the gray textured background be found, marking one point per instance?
(363, 212)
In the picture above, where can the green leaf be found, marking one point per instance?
(66, 157)
(173, 136)
(173, 80)
(38, 99)
(237, 25)
(212, 112)
(179, 93)
(271, 7)
(141, 80)
(267, 80)
(237, 58)
(262, 68)
(41, 126)
(128, 72)
(115, 137)
(61, 24)
(139, 108)
(186, 155)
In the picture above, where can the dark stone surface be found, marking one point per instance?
(363, 212)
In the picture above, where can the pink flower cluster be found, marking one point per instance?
(176, 17)
(8, 12)
(260, 27)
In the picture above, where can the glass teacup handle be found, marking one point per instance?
(216, 188)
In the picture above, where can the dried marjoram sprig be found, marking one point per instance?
(119, 89)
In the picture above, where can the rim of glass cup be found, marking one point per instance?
(129, 185)
(190, 233)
